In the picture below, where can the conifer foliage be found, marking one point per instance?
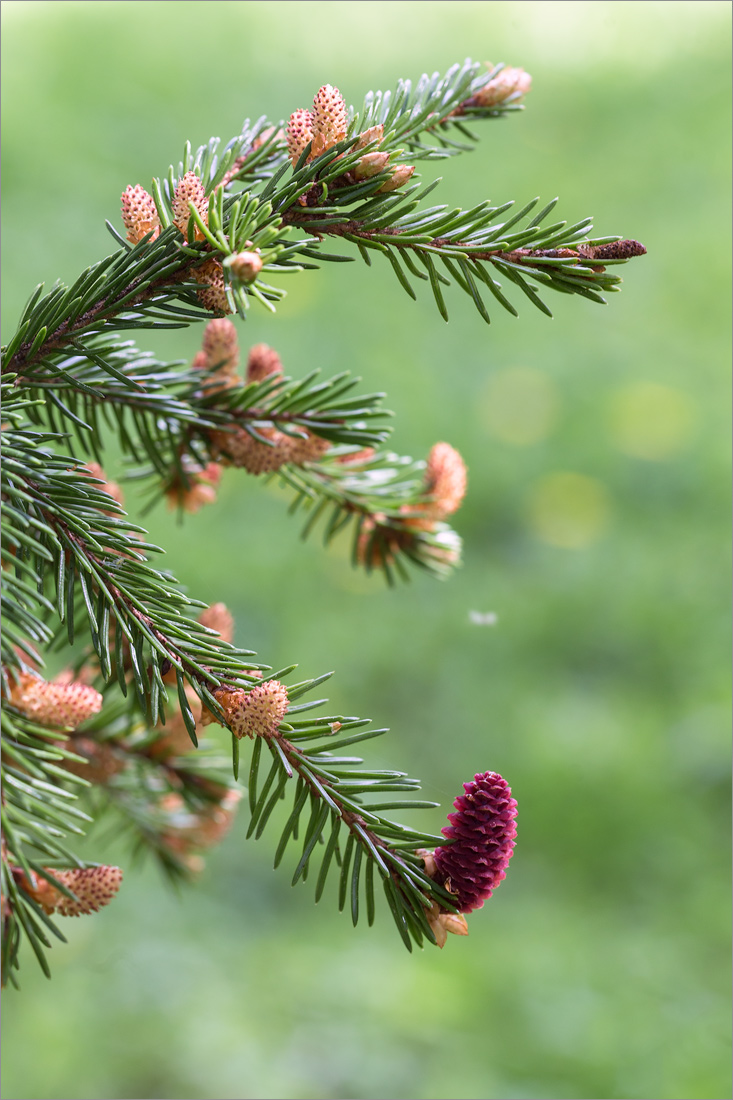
(120, 733)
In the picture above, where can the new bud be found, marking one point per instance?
(443, 923)
(371, 164)
(509, 82)
(374, 133)
(400, 176)
(246, 266)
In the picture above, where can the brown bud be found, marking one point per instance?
(615, 250)
(215, 821)
(198, 489)
(187, 831)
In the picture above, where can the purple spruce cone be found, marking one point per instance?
(483, 831)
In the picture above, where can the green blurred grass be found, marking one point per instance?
(602, 693)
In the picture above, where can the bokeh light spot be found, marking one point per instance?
(568, 510)
(651, 421)
(519, 405)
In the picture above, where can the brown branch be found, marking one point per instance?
(617, 250)
(350, 818)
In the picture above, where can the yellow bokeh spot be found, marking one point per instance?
(519, 405)
(651, 421)
(568, 510)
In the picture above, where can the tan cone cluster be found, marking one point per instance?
(218, 617)
(139, 214)
(382, 539)
(262, 362)
(254, 713)
(220, 347)
(189, 189)
(299, 133)
(445, 480)
(58, 706)
(173, 737)
(94, 888)
(101, 760)
(329, 119)
(196, 489)
(111, 488)
(186, 832)
(213, 297)
(219, 355)
(326, 125)
(239, 448)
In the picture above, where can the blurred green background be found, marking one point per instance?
(596, 532)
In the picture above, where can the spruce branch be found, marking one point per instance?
(196, 246)
(341, 828)
(119, 733)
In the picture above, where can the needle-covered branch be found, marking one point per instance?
(197, 245)
(119, 733)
